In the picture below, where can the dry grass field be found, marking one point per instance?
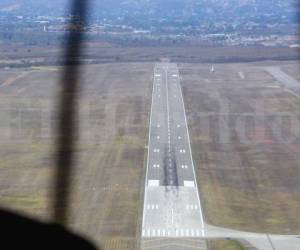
(245, 141)
(245, 138)
(108, 177)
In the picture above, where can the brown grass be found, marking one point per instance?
(108, 175)
(246, 157)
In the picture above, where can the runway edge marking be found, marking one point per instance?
(149, 140)
(193, 167)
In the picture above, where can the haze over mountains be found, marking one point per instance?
(184, 11)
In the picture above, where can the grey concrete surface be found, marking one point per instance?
(282, 77)
(172, 213)
(172, 206)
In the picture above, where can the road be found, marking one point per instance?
(282, 77)
(290, 83)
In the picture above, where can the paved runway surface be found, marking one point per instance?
(172, 206)
(172, 213)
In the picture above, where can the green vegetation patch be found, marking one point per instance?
(24, 202)
(224, 245)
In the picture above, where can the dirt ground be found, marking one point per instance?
(17, 55)
(245, 139)
(108, 177)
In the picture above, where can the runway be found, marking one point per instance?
(172, 211)
(172, 206)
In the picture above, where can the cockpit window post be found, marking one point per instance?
(67, 112)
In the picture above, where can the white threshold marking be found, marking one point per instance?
(152, 206)
(189, 183)
(153, 183)
(191, 207)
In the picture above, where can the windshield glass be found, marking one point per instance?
(155, 123)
